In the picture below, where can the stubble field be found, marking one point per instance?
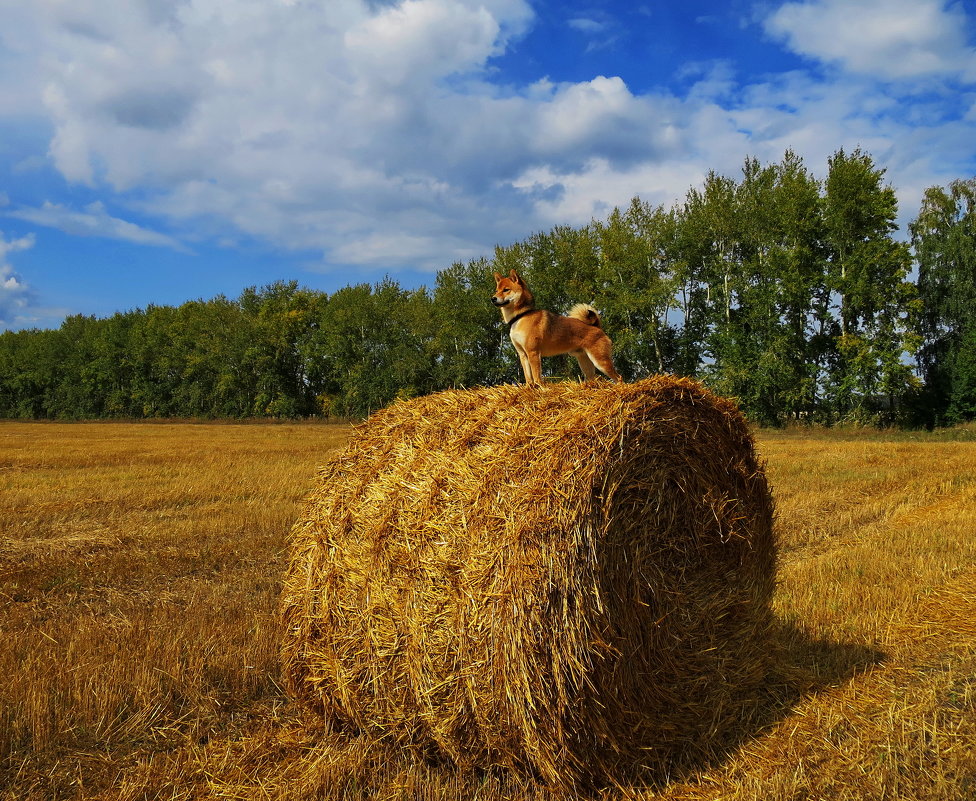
(140, 570)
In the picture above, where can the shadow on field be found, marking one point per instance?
(803, 665)
(800, 667)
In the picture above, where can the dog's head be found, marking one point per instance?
(508, 290)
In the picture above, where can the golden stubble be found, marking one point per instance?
(140, 570)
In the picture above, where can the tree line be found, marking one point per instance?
(788, 292)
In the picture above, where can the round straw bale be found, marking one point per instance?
(571, 580)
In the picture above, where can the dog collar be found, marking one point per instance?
(519, 316)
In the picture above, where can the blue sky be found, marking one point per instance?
(155, 151)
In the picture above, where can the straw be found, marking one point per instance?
(572, 581)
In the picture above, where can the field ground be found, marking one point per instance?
(139, 578)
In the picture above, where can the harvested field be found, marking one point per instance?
(140, 575)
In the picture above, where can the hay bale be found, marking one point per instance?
(571, 580)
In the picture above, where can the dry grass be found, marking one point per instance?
(139, 578)
(140, 570)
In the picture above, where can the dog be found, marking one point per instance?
(536, 332)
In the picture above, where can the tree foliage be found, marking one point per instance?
(789, 293)
(944, 240)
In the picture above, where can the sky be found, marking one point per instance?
(158, 151)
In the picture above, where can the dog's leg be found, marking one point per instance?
(586, 365)
(599, 354)
(524, 361)
(535, 365)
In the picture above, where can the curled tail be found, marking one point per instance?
(586, 313)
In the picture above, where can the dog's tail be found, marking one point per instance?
(586, 313)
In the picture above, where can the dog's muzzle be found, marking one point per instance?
(498, 302)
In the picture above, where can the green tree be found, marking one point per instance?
(158, 372)
(800, 264)
(867, 275)
(79, 387)
(470, 346)
(204, 353)
(113, 364)
(769, 360)
(29, 372)
(637, 286)
(788, 293)
(944, 242)
(377, 344)
(709, 274)
(280, 318)
(759, 266)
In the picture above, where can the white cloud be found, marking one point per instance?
(586, 25)
(93, 221)
(889, 39)
(13, 245)
(379, 249)
(419, 41)
(19, 306)
(15, 295)
(592, 192)
(602, 33)
(374, 134)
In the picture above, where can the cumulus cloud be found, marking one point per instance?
(420, 40)
(890, 39)
(298, 123)
(376, 133)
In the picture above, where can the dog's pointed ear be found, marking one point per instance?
(498, 277)
(515, 277)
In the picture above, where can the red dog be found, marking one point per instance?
(536, 333)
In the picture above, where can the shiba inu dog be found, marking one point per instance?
(536, 333)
